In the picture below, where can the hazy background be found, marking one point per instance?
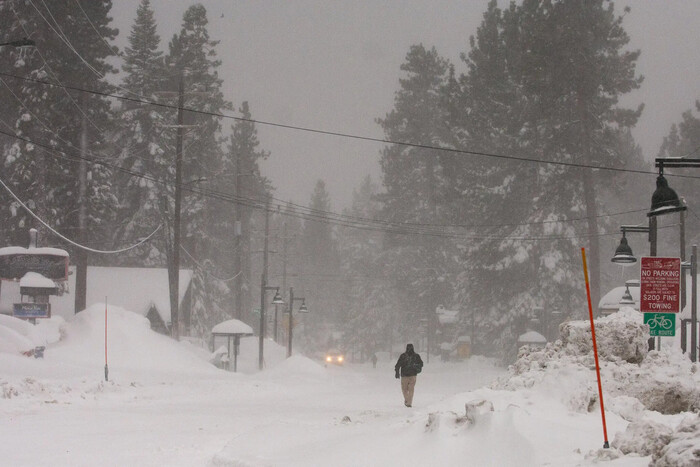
(334, 66)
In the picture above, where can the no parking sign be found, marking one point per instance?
(660, 294)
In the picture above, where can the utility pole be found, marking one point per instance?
(237, 232)
(284, 266)
(80, 254)
(175, 273)
(263, 288)
(694, 304)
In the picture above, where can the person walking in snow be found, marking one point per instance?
(407, 367)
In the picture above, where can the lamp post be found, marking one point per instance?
(302, 309)
(277, 300)
(623, 252)
(666, 201)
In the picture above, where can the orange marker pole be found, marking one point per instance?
(595, 348)
(106, 367)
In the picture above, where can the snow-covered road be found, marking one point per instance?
(297, 413)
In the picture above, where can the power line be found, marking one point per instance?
(261, 205)
(352, 136)
(64, 238)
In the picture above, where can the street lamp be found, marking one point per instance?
(666, 201)
(623, 252)
(276, 300)
(302, 309)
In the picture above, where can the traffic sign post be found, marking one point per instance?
(660, 287)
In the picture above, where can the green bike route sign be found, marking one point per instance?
(661, 324)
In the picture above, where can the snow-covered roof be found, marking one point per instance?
(18, 250)
(611, 300)
(447, 316)
(532, 337)
(134, 289)
(232, 326)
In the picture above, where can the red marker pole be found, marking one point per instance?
(595, 348)
(106, 367)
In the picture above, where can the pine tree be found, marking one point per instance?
(544, 81)
(143, 200)
(320, 264)
(418, 187)
(72, 48)
(368, 295)
(683, 140)
(192, 60)
(240, 174)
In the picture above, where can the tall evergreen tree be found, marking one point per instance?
(240, 174)
(417, 184)
(144, 142)
(320, 252)
(544, 81)
(368, 295)
(192, 60)
(72, 48)
(683, 140)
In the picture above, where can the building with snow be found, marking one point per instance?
(626, 295)
(142, 290)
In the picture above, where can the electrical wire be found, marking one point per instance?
(264, 205)
(53, 75)
(66, 239)
(357, 137)
(206, 269)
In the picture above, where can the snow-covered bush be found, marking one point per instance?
(620, 336)
(643, 437)
(683, 449)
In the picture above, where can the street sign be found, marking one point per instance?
(31, 310)
(660, 285)
(661, 324)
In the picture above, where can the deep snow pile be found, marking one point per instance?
(657, 392)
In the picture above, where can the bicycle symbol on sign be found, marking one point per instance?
(659, 321)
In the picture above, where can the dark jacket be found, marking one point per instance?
(409, 363)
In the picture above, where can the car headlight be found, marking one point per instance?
(329, 358)
(340, 358)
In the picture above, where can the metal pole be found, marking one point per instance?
(262, 321)
(694, 304)
(682, 240)
(263, 286)
(652, 252)
(291, 321)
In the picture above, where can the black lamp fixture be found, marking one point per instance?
(277, 299)
(627, 297)
(665, 200)
(302, 308)
(623, 252)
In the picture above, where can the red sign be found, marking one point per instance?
(660, 285)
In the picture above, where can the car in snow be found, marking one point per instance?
(334, 357)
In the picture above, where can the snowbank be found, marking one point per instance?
(657, 392)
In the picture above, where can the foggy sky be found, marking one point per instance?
(334, 66)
